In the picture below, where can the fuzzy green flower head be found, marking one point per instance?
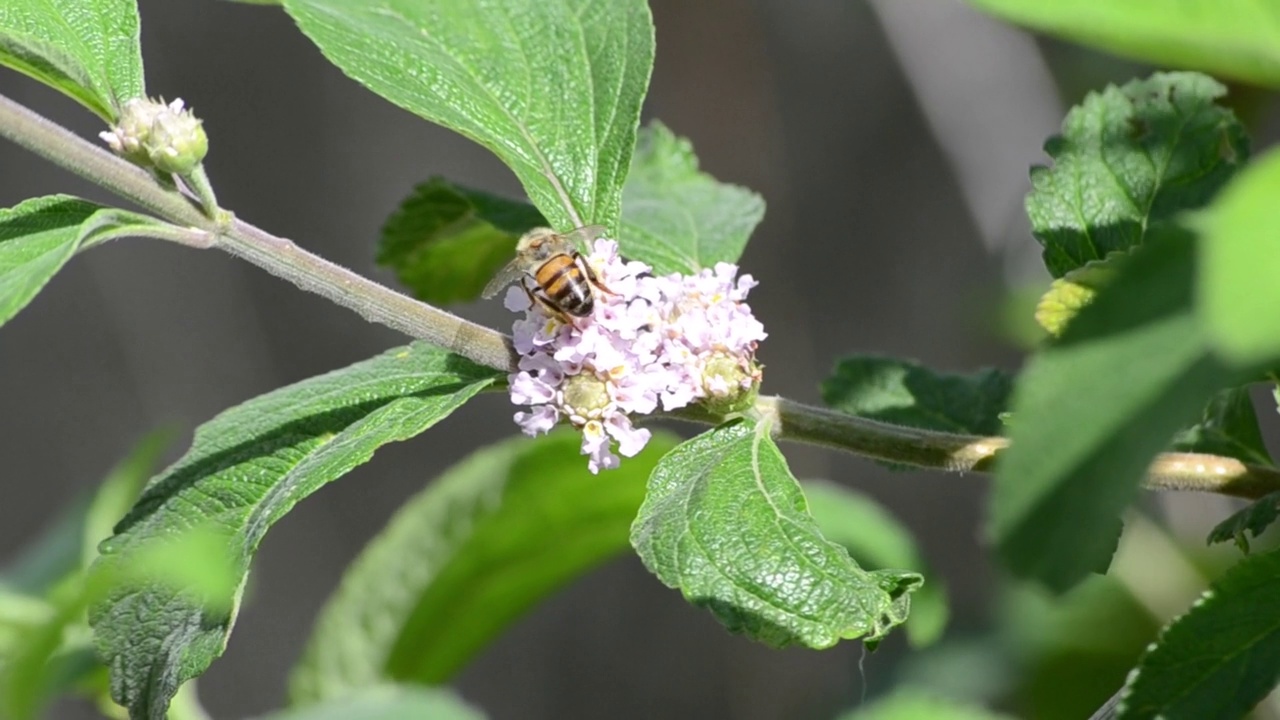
(164, 136)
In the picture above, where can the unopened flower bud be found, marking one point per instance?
(167, 137)
(730, 384)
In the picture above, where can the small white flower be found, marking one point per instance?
(652, 341)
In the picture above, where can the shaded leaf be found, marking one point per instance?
(1068, 294)
(446, 241)
(1254, 519)
(552, 87)
(1229, 427)
(1220, 658)
(1092, 411)
(119, 490)
(463, 559)
(387, 702)
(87, 49)
(1238, 292)
(1233, 38)
(725, 522)
(70, 543)
(37, 237)
(904, 393)
(875, 538)
(675, 217)
(246, 468)
(919, 704)
(1127, 159)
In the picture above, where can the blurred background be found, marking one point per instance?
(891, 141)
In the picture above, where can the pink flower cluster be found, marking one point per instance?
(650, 341)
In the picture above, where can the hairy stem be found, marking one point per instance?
(375, 302)
(379, 304)
(961, 453)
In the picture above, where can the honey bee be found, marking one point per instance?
(563, 280)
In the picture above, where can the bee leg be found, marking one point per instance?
(591, 274)
(546, 305)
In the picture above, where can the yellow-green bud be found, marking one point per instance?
(731, 384)
(586, 396)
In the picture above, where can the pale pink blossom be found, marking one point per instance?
(650, 342)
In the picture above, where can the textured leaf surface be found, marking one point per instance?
(1254, 519)
(1229, 427)
(904, 393)
(874, 538)
(1240, 264)
(1127, 159)
(87, 49)
(1221, 658)
(446, 241)
(725, 522)
(466, 557)
(1093, 410)
(552, 87)
(387, 703)
(913, 704)
(677, 218)
(246, 468)
(37, 237)
(1233, 38)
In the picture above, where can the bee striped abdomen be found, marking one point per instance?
(565, 284)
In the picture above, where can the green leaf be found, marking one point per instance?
(52, 555)
(919, 704)
(552, 87)
(27, 675)
(904, 393)
(675, 217)
(725, 522)
(446, 241)
(47, 652)
(87, 49)
(1234, 38)
(1093, 409)
(1220, 658)
(1254, 519)
(466, 557)
(70, 543)
(387, 703)
(1070, 293)
(1127, 159)
(118, 492)
(1229, 427)
(1240, 264)
(246, 469)
(876, 539)
(37, 237)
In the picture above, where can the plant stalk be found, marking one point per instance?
(278, 256)
(380, 304)
(936, 450)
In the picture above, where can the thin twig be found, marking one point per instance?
(380, 304)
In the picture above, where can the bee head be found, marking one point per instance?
(537, 244)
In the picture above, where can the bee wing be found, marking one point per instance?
(582, 237)
(507, 275)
